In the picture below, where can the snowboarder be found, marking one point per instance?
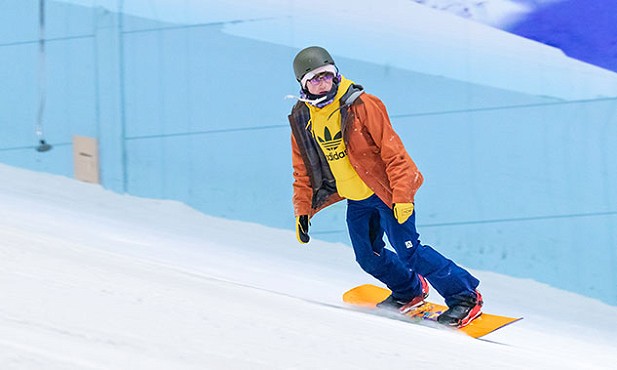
(344, 147)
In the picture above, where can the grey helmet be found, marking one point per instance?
(309, 59)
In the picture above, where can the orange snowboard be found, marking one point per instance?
(369, 295)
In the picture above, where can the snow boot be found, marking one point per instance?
(463, 312)
(394, 304)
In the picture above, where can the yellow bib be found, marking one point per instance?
(326, 127)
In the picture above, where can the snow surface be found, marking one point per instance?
(496, 13)
(95, 280)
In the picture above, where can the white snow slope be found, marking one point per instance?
(90, 279)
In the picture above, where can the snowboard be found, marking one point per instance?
(367, 296)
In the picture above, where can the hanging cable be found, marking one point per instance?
(38, 130)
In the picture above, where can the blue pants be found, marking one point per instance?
(368, 219)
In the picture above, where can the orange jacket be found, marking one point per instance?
(374, 150)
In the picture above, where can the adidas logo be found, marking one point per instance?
(329, 142)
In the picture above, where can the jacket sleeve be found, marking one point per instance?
(403, 175)
(302, 191)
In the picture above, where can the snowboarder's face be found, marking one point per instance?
(320, 84)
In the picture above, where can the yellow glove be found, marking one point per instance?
(402, 211)
(302, 227)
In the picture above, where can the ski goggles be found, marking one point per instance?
(322, 77)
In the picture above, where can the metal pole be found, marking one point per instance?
(42, 146)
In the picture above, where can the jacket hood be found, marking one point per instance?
(352, 92)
